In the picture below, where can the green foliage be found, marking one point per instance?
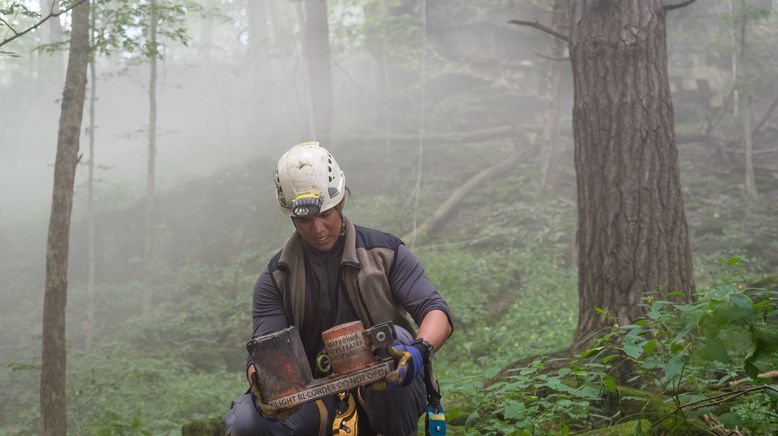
(123, 26)
(704, 356)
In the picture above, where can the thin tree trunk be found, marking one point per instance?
(386, 114)
(751, 191)
(54, 356)
(52, 29)
(51, 64)
(148, 246)
(90, 287)
(746, 114)
(303, 87)
(551, 107)
(734, 62)
(206, 31)
(632, 231)
(316, 49)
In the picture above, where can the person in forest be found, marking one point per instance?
(343, 272)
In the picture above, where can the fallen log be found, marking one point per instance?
(458, 195)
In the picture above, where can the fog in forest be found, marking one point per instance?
(454, 88)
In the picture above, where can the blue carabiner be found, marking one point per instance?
(436, 420)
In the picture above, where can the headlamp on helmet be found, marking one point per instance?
(306, 205)
(308, 181)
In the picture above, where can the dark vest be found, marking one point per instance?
(368, 256)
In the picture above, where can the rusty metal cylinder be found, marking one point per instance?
(347, 347)
(282, 367)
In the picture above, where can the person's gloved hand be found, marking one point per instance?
(263, 408)
(409, 365)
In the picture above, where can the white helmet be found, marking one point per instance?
(308, 180)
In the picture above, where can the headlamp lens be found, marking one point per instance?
(306, 211)
(306, 205)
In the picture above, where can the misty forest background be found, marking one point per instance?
(426, 98)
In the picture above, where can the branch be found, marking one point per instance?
(38, 24)
(551, 58)
(683, 4)
(539, 26)
(8, 26)
(715, 400)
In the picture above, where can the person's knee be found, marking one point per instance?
(243, 419)
(396, 410)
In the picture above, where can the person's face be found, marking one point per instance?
(321, 231)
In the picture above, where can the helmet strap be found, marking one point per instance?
(342, 220)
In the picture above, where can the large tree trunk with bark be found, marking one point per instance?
(54, 358)
(632, 230)
(316, 49)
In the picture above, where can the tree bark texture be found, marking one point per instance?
(316, 49)
(54, 358)
(148, 245)
(632, 230)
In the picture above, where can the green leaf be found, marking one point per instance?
(514, 410)
(731, 420)
(713, 349)
(751, 369)
(675, 366)
(588, 392)
(609, 357)
(649, 346)
(676, 294)
(735, 260)
(633, 350)
(609, 383)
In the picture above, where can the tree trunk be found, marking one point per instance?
(316, 50)
(90, 215)
(50, 64)
(54, 359)
(148, 245)
(632, 230)
(52, 29)
(206, 31)
(751, 191)
(746, 111)
(551, 109)
(734, 61)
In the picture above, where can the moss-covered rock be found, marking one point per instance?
(205, 427)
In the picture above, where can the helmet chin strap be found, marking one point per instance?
(342, 221)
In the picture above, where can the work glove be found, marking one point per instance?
(409, 365)
(264, 409)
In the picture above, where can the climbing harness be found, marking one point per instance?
(346, 417)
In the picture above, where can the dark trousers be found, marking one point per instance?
(394, 412)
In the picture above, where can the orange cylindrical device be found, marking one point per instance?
(347, 347)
